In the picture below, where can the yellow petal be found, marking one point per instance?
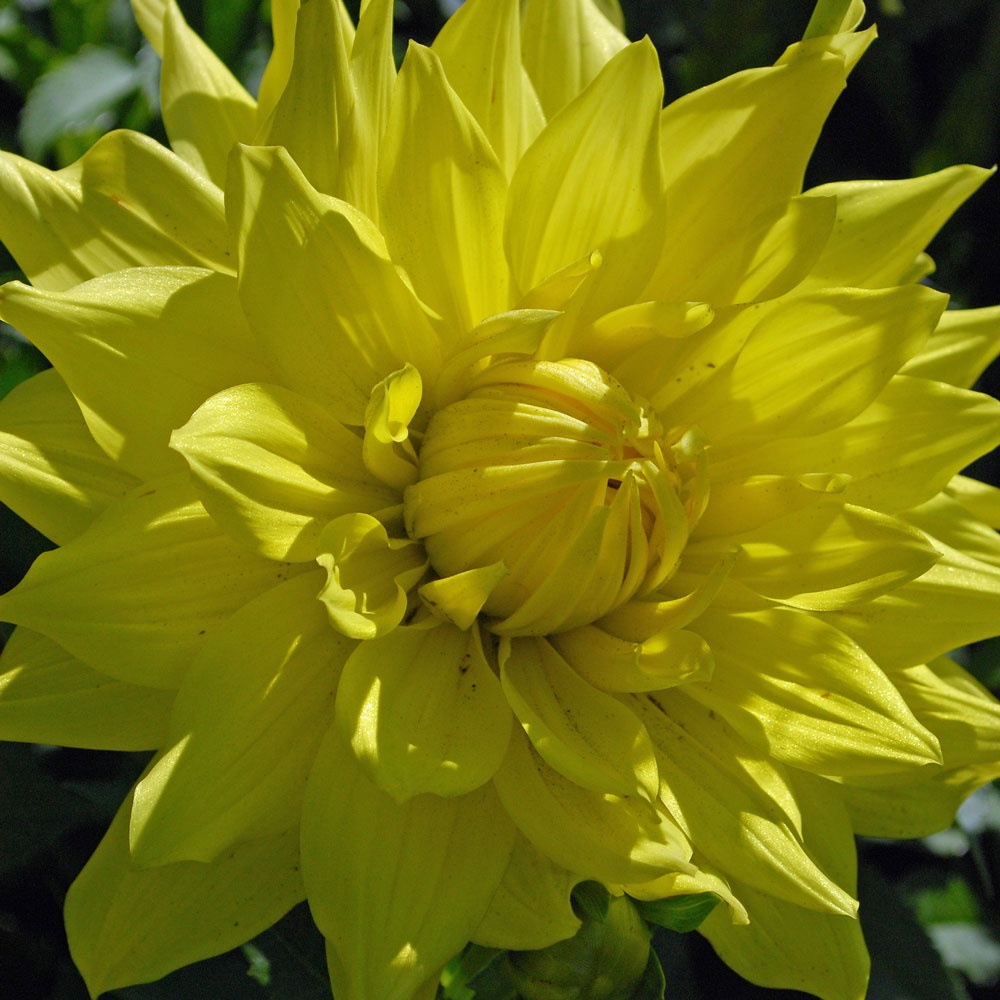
(441, 197)
(314, 117)
(480, 50)
(397, 889)
(531, 908)
(846, 346)
(978, 499)
(668, 658)
(804, 693)
(206, 111)
(369, 575)
(882, 226)
(387, 451)
(735, 803)
(730, 150)
(133, 351)
(46, 696)
(55, 476)
(898, 452)
(605, 837)
(565, 46)
(245, 728)
(273, 467)
(824, 557)
(459, 598)
(332, 341)
(135, 595)
(592, 181)
(127, 202)
(117, 938)
(964, 342)
(582, 732)
(423, 711)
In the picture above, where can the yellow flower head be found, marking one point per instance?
(480, 479)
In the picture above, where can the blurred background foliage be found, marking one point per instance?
(926, 96)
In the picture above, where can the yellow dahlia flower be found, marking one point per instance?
(480, 479)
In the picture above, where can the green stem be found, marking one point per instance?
(827, 18)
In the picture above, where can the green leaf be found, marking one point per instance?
(679, 913)
(78, 96)
(590, 901)
(463, 968)
(653, 984)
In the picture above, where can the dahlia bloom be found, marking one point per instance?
(480, 479)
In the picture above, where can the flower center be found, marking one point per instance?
(552, 470)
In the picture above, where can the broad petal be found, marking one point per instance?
(899, 451)
(441, 197)
(397, 889)
(823, 557)
(332, 341)
(369, 575)
(249, 716)
(480, 50)
(206, 111)
(47, 696)
(273, 468)
(964, 342)
(531, 908)
(735, 803)
(731, 150)
(54, 474)
(846, 346)
(133, 349)
(584, 733)
(592, 181)
(128, 202)
(119, 936)
(565, 46)
(966, 716)
(882, 226)
(313, 119)
(605, 837)
(957, 601)
(423, 712)
(806, 695)
(135, 595)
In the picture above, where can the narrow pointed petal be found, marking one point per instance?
(332, 341)
(423, 712)
(804, 694)
(139, 369)
(136, 594)
(584, 733)
(730, 150)
(369, 575)
(964, 342)
(882, 226)
(397, 889)
(128, 202)
(314, 117)
(206, 111)
(441, 197)
(846, 347)
(565, 46)
(531, 908)
(597, 172)
(605, 837)
(118, 936)
(55, 475)
(735, 804)
(898, 452)
(480, 50)
(248, 719)
(47, 696)
(273, 468)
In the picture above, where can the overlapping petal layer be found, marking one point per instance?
(480, 479)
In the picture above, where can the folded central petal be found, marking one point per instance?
(553, 470)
